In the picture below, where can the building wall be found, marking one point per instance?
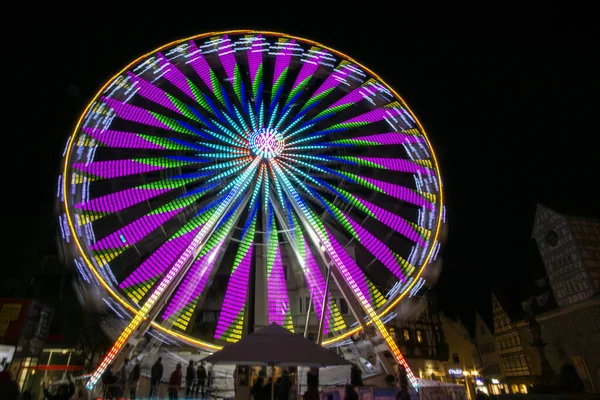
(570, 250)
(572, 335)
(508, 342)
(488, 362)
(460, 367)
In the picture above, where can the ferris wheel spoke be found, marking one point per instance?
(283, 50)
(368, 91)
(227, 57)
(140, 115)
(392, 261)
(314, 279)
(158, 96)
(117, 201)
(111, 246)
(255, 63)
(277, 293)
(141, 280)
(408, 136)
(231, 319)
(181, 308)
(130, 140)
(311, 61)
(172, 74)
(119, 168)
(337, 77)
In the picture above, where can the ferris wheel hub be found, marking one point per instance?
(266, 143)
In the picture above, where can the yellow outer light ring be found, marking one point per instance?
(199, 343)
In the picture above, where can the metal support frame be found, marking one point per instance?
(308, 310)
(319, 240)
(325, 300)
(141, 320)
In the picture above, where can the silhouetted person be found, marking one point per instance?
(312, 378)
(109, 380)
(283, 385)
(350, 393)
(190, 373)
(9, 389)
(267, 389)
(312, 393)
(571, 381)
(481, 395)
(155, 376)
(134, 379)
(201, 375)
(403, 393)
(256, 390)
(175, 382)
(355, 376)
(64, 391)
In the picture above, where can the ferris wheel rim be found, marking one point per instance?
(182, 336)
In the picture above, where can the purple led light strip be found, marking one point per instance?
(199, 64)
(255, 57)
(123, 140)
(118, 168)
(133, 113)
(227, 58)
(152, 93)
(175, 76)
(282, 60)
(377, 248)
(384, 139)
(235, 296)
(118, 201)
(135, 231)
(194, 282)
(160, 260)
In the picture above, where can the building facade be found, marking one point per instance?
(570, 249)
(514, 362)
(488, 359)
(572, 336)
(460, 367)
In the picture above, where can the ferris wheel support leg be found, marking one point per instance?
(323, 243)
(324, 309)
(180, 266)
(308, 310)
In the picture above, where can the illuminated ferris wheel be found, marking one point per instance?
(258, 160)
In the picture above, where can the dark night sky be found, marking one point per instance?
(507, 96)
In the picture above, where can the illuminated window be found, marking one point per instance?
(406, 335)
(392, 331)
(419, 337)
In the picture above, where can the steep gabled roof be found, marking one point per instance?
(544, 219)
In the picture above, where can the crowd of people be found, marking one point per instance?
(125, 382)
